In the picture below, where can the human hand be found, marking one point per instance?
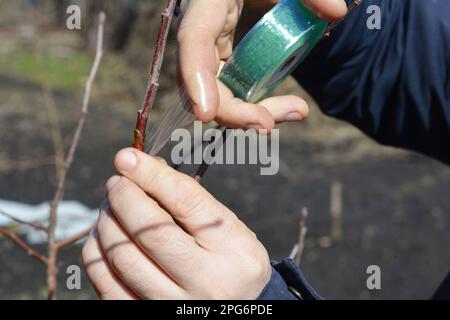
(164, 236)
(205, 40)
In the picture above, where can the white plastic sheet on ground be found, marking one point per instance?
(73, 217)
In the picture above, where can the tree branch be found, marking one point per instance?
(36, 226)
(30, 251)
(201, 170)
(153, 84)
(52, 247)
(68, 241)
(297, 251)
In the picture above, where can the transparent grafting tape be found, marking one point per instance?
(271, 51)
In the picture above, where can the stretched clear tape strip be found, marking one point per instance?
(271, 51)
(172, 118)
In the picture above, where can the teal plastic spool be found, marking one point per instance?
(272, 50)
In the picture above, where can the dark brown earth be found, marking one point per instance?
(395, 204)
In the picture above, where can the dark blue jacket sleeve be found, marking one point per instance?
(288, 283)
(443, 292)
(392, 83)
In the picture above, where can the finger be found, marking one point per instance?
(235, 113)
(205, 39)
(153, 229)
(103, 279)
(194, 209)
(330, 10)
(201, 27)
(162, 160)
(286, 108)
(132, 265)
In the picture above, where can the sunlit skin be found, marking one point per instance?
(160, 235)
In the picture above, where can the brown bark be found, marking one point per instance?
(155, 72)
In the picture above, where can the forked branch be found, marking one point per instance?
(53, 246)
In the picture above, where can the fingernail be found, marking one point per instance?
(112, 182)
(126, 161)
(293, 116)
(94, 233)
(105, 205)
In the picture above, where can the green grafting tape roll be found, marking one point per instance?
(272, 50)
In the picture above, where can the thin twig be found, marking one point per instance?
(68, 241)
(201, 170)
(153, 84)
(194, 147)
(35, 225)
(297, 251)
(14, 238)
(336, 210)
(52, 247)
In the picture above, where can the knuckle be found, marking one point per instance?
(234, 228)
(193, 198)
(161, 160)
(153, 178)
(262, 270)
(199, 34)
(259, 265)
(268, 123)
(165, 237)
(156, 236)
(167, 241)
(252, 254)
(119, 195)
(87, 251)
(124, 260)
(183, 33)
(231, 230)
